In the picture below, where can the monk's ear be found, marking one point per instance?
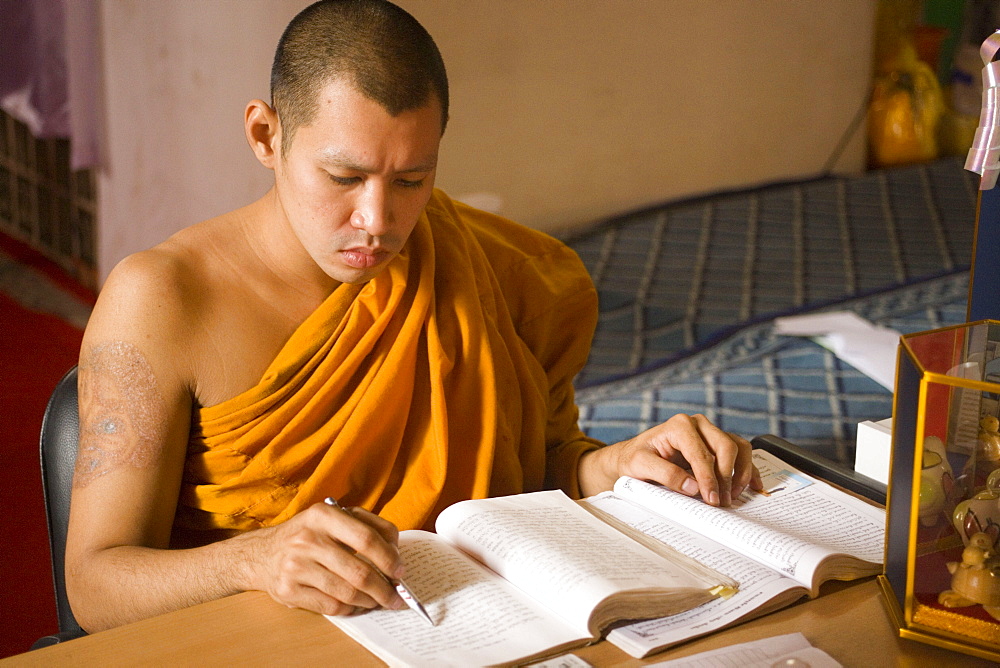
(263, 132)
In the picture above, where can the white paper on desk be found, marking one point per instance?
(766, 653)
(869, 348)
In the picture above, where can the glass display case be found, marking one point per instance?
(942, 566)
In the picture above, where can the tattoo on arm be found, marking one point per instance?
(120, 410)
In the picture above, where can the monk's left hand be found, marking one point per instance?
(687, 454)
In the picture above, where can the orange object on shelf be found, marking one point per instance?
(905, 109)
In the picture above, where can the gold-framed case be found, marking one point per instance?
(941, 580)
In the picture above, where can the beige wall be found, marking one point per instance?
(563, 111)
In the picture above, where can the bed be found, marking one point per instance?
(689, 292)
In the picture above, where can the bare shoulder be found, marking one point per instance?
(152, 299)
(151, 279)
(175, 269)
(136, 370)
(200, 307)
(144, 299)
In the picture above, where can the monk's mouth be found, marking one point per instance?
(359, 259)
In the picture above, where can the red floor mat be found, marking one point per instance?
(36, 349)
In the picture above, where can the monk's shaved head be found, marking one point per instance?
(376, 46)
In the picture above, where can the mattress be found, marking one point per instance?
(689, 291)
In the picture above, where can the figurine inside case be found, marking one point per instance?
(943, 547)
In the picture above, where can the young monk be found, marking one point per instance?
(354, 333)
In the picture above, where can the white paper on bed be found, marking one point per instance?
(869, 348)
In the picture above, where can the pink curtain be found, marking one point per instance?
(50, 71)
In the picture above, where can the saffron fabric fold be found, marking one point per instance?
(448, 376)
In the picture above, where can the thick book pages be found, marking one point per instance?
(780, 547)
(515, 578)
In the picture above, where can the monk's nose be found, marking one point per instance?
(372, 214)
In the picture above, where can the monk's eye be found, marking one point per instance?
(345, 180)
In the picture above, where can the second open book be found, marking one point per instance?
(515, 578)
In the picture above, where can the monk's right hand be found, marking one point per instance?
(330, 560)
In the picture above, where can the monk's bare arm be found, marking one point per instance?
(135, 412)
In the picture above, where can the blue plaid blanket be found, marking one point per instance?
(689, 292)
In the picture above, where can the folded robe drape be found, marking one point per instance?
(447, 376)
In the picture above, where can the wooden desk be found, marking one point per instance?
(848, 621)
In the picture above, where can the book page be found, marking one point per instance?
(761, 588)
(794, 528)
(547, 545)
(480, 619)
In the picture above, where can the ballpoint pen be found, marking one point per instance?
(401, 588)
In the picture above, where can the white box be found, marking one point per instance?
(874, 445)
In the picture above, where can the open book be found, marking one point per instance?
(515, 578)
(780, 547)
(564, 574)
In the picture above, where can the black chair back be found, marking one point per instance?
(58, 445)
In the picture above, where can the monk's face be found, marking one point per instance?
(354, 181)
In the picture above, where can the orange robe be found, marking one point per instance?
(446, 377)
